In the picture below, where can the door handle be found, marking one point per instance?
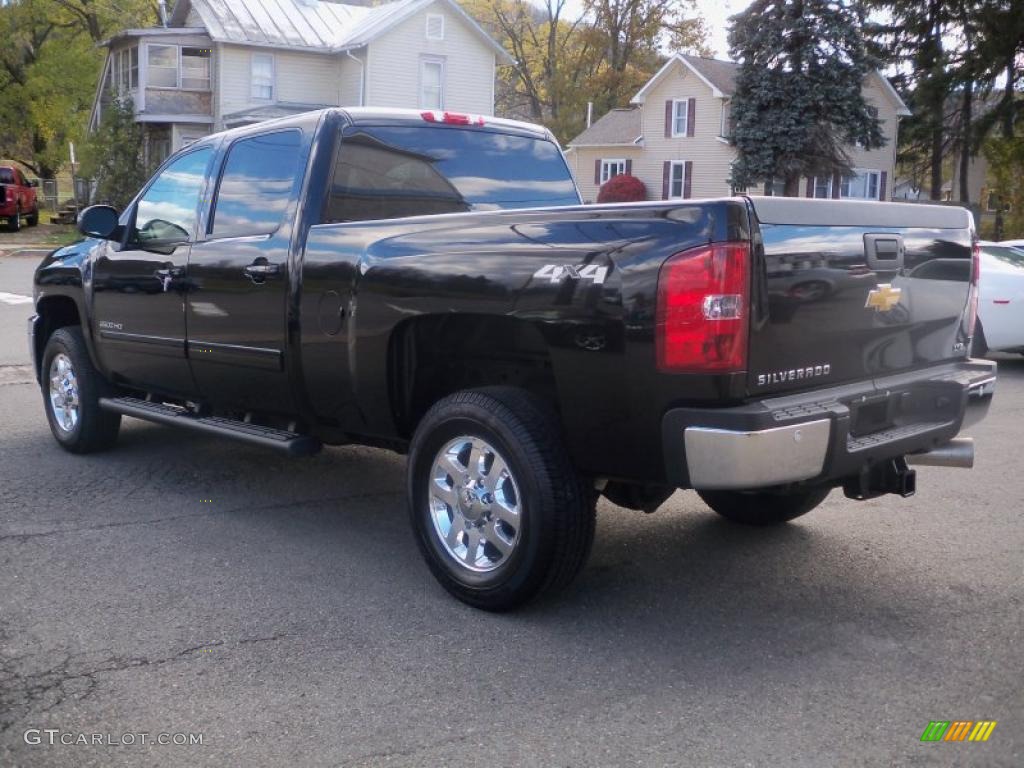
(167, 276)
(169, 273)
(260, 270)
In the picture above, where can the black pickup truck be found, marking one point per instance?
(429, 282)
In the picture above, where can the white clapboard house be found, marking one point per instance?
(222, 63)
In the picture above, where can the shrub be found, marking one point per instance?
(622, 189)
(113, 155)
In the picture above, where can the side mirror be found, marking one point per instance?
(98, 221)
(33, 182)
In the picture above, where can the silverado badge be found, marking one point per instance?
(883, 298)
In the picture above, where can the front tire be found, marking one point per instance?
(763, 507)
(71, 388)
(497, 508)
(14, 222)
(33, 218)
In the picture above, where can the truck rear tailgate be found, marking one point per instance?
(852, 290)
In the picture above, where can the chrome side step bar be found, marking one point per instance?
(291, 443)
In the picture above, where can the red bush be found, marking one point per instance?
(622, 189)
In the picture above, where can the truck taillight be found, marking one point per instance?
(701, 322)
(972, 298)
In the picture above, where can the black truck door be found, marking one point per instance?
(238, 275)
(139, 288)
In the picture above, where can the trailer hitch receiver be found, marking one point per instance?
(880, 478)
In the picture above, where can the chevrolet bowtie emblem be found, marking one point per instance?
(883, 298)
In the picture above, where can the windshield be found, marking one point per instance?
(6, 176)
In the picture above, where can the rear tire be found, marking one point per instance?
(497, 508)
(763, 507)
(72, 388)
(14, 222)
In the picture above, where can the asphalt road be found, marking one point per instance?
(183, 584)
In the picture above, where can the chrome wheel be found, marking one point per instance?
(474, 504)
(64, 399)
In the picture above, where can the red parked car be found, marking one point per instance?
(18, 200)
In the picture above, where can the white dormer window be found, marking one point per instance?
(435, 26)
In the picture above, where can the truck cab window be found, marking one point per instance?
(374, 181)
(256, 185)
(166, 213)
(388, 172)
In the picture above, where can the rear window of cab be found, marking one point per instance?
(387, 172)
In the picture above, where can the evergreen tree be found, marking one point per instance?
(913, 37)
(798, 102)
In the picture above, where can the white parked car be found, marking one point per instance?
(1001, 299)
(1012, 243)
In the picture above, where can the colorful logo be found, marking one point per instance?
(958, 730)
(883, 298)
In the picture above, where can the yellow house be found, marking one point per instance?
(674, 137)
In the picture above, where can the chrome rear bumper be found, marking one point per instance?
(816, 436)
(720, 458)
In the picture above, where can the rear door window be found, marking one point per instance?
(391, 172)
(256, 185)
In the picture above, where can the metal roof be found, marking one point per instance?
(314, 25)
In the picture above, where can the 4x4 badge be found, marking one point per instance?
(883, 298)
(555, 273)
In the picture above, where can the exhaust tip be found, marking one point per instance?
(958, 452)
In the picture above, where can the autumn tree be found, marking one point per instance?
(798, 103)
(602, 55)
(632, 35)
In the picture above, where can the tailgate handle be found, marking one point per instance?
(884, 252)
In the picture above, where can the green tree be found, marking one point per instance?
(113, 156)
(798, 102)
(49, 65)
(1006, 164)
(913, 37)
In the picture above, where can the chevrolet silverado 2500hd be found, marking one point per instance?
(429, 282)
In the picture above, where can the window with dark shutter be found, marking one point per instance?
(679, 180)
